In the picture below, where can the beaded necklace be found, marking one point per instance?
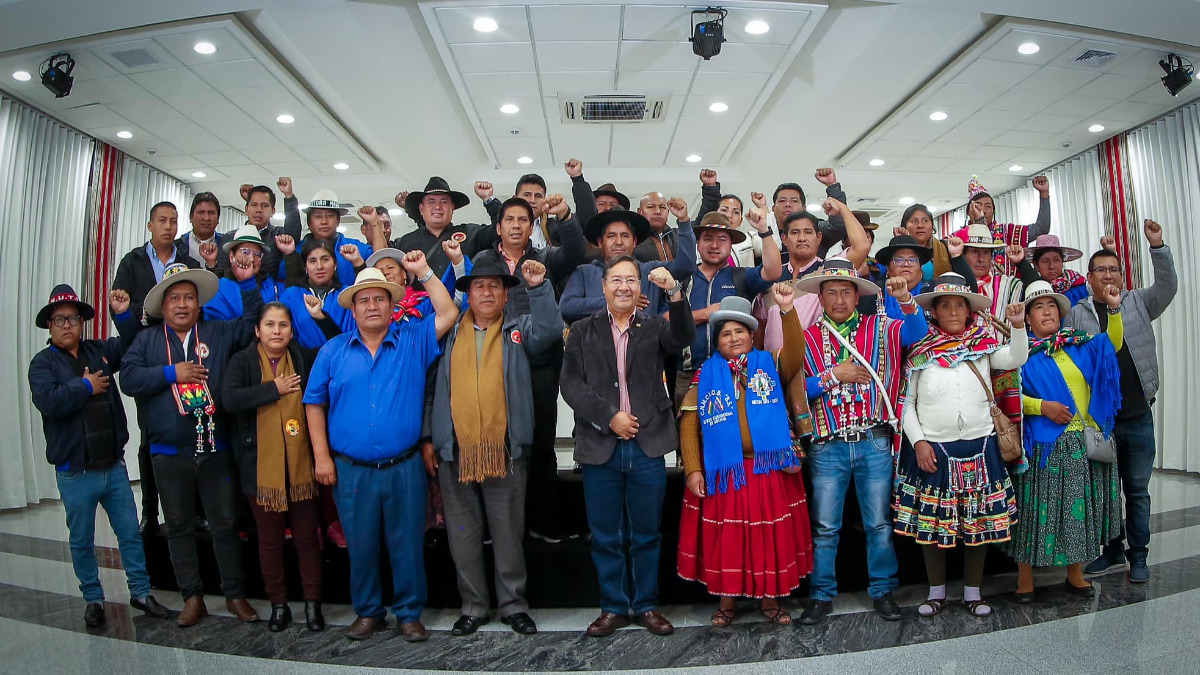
(195, 398)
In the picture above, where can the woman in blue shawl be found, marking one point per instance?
(745, 528)
(1069, 505)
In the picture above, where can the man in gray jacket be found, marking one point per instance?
(482, 427)
(1138, 358)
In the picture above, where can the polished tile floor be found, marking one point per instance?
(1125, 629)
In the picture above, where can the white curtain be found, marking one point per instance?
(141, 188)
(231, 219)
(1164, 162)
(43, 202)
(1076, 205)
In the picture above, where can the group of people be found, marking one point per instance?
(972, 389)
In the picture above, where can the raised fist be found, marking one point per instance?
(414, 263)
(483, 189)
(208, 251)
(659, 276)
(118, 302)
(534, 273)
(832, 206)
(975, 212)
(1042, 185)
(783, 295)
(1154, 233)
(453, 251)
(897, 287)
(955, 245)
(758, 199)
(757, 218)
(351, 254)
(556, 206)
(1109, 295)
(1108, 243)
(574, 168)
(1016, 254)
(678, 207)
(368, 215)
(285, 186)
(244, 190)
(285, 244)
(313, 304)
(1015, 313)
(708, 177)
(401, 197)
(826, 176)
(899, 231)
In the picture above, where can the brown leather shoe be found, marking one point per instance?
(606, 624)
(414, 631)
(193, 610)
(364, 626)
(241, 609)
(654, 622)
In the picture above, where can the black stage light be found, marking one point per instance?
(56, 74)
(1177, 76)
(708, 35)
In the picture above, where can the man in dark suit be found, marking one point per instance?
(624, 425)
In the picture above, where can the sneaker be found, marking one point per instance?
(1138, 572)
(1110, 558)
(544, 537)
(335, 535)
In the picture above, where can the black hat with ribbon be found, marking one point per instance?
(63, 293)
(487, 267)
(436, 186)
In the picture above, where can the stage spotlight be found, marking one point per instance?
(709, 33)
(56, 74)
(1177, 76)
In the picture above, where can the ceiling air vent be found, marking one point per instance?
(136, 58)
(1094, 58)
(612, 108)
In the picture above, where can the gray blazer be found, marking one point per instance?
(535, 332)
(1138, 309)
(589, 380)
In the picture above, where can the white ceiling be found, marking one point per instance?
(401, 90)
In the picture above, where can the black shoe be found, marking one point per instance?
(886, 607)
(521, 623)
(1079, 591)
(1023, 598)
(816, 612)
(549, 538)
(314, 619)
(150, 525)
(467, 624)
(150, 607)
(93, 614)
(202, 525)
(281, 616)
(1111, 557)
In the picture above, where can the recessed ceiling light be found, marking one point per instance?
(125, 134)
(757, 27)
(485, 25)
(285, 119)
(394, 212)
(199, 174)
(1096, 128)
(693, 158)
(937, 116)
(341, 166)
(1016, 167)
(1029, 48)
(22, 76)
(205, 48)
(905, 201)
(877, 162)
(719, 107)
(342, 229)
(525, 160)
(510, 109)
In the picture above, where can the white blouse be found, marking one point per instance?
(949, 404)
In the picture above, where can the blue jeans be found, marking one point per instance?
(1135, 462)
(624, 499)
(832, 464)
(388, 505)
(81, 492)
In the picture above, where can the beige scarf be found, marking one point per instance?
(477, 402)
(283, 449)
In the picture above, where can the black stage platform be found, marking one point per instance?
(560, 575)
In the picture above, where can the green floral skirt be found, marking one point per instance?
(1069, 509)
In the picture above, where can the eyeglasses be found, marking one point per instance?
(1106, 270)
(61, 321)
(253, 253)
(905, 262)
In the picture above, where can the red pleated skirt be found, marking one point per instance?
(755, 542)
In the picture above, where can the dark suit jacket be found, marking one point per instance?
(592, 391)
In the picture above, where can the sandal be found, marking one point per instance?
(935, 604)
(722, 617)
(973, 606)
(776, 615)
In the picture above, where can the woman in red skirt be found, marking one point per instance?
(745, 527)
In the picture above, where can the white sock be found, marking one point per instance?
(971, 594)
(935, 593)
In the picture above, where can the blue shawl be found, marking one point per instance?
(1041, 378)
(720, 427)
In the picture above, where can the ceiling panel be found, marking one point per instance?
(916, 130)
(741, 58)
(494, 58)
(181, 46)
(1056, 80)
(1112, 86)
(965, 95)
(676, 83)
(1025, 101)
(209, 104)
(782, 26)
(293, 169)
(235, 75)
(145, 109)
(657, 56)
(247, 141)
(995, 153)
(1003, 74)
(274, 99)
(160, 59)
(92, 116)
(1130, 112)
(456, 23)
(1050, 46)
(301, 137)
(323, 152)
(1050, 124)
(282, 154)
(1078, 106)
(990, 118)
(577, 56)
(172, 82)
(575, 23)
(744, 85)
(592, 82)
(186, 135)
(501, 85)
(656, 23)
(226, 157)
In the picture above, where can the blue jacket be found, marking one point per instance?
(60, 395)
(346, 271)
(146, 376)
(227, 304)
(701, 293)
(310, 334)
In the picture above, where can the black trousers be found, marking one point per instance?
(541, 499)
(149, 486)
(214, 477)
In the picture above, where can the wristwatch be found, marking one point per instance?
(767, 233)
(428, 275)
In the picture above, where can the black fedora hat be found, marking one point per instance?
(436, 186)
(63, 293)
(488, 267)
(610, 190)
(594, 229)
(884, 256)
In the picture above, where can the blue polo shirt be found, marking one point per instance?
(376, 405)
